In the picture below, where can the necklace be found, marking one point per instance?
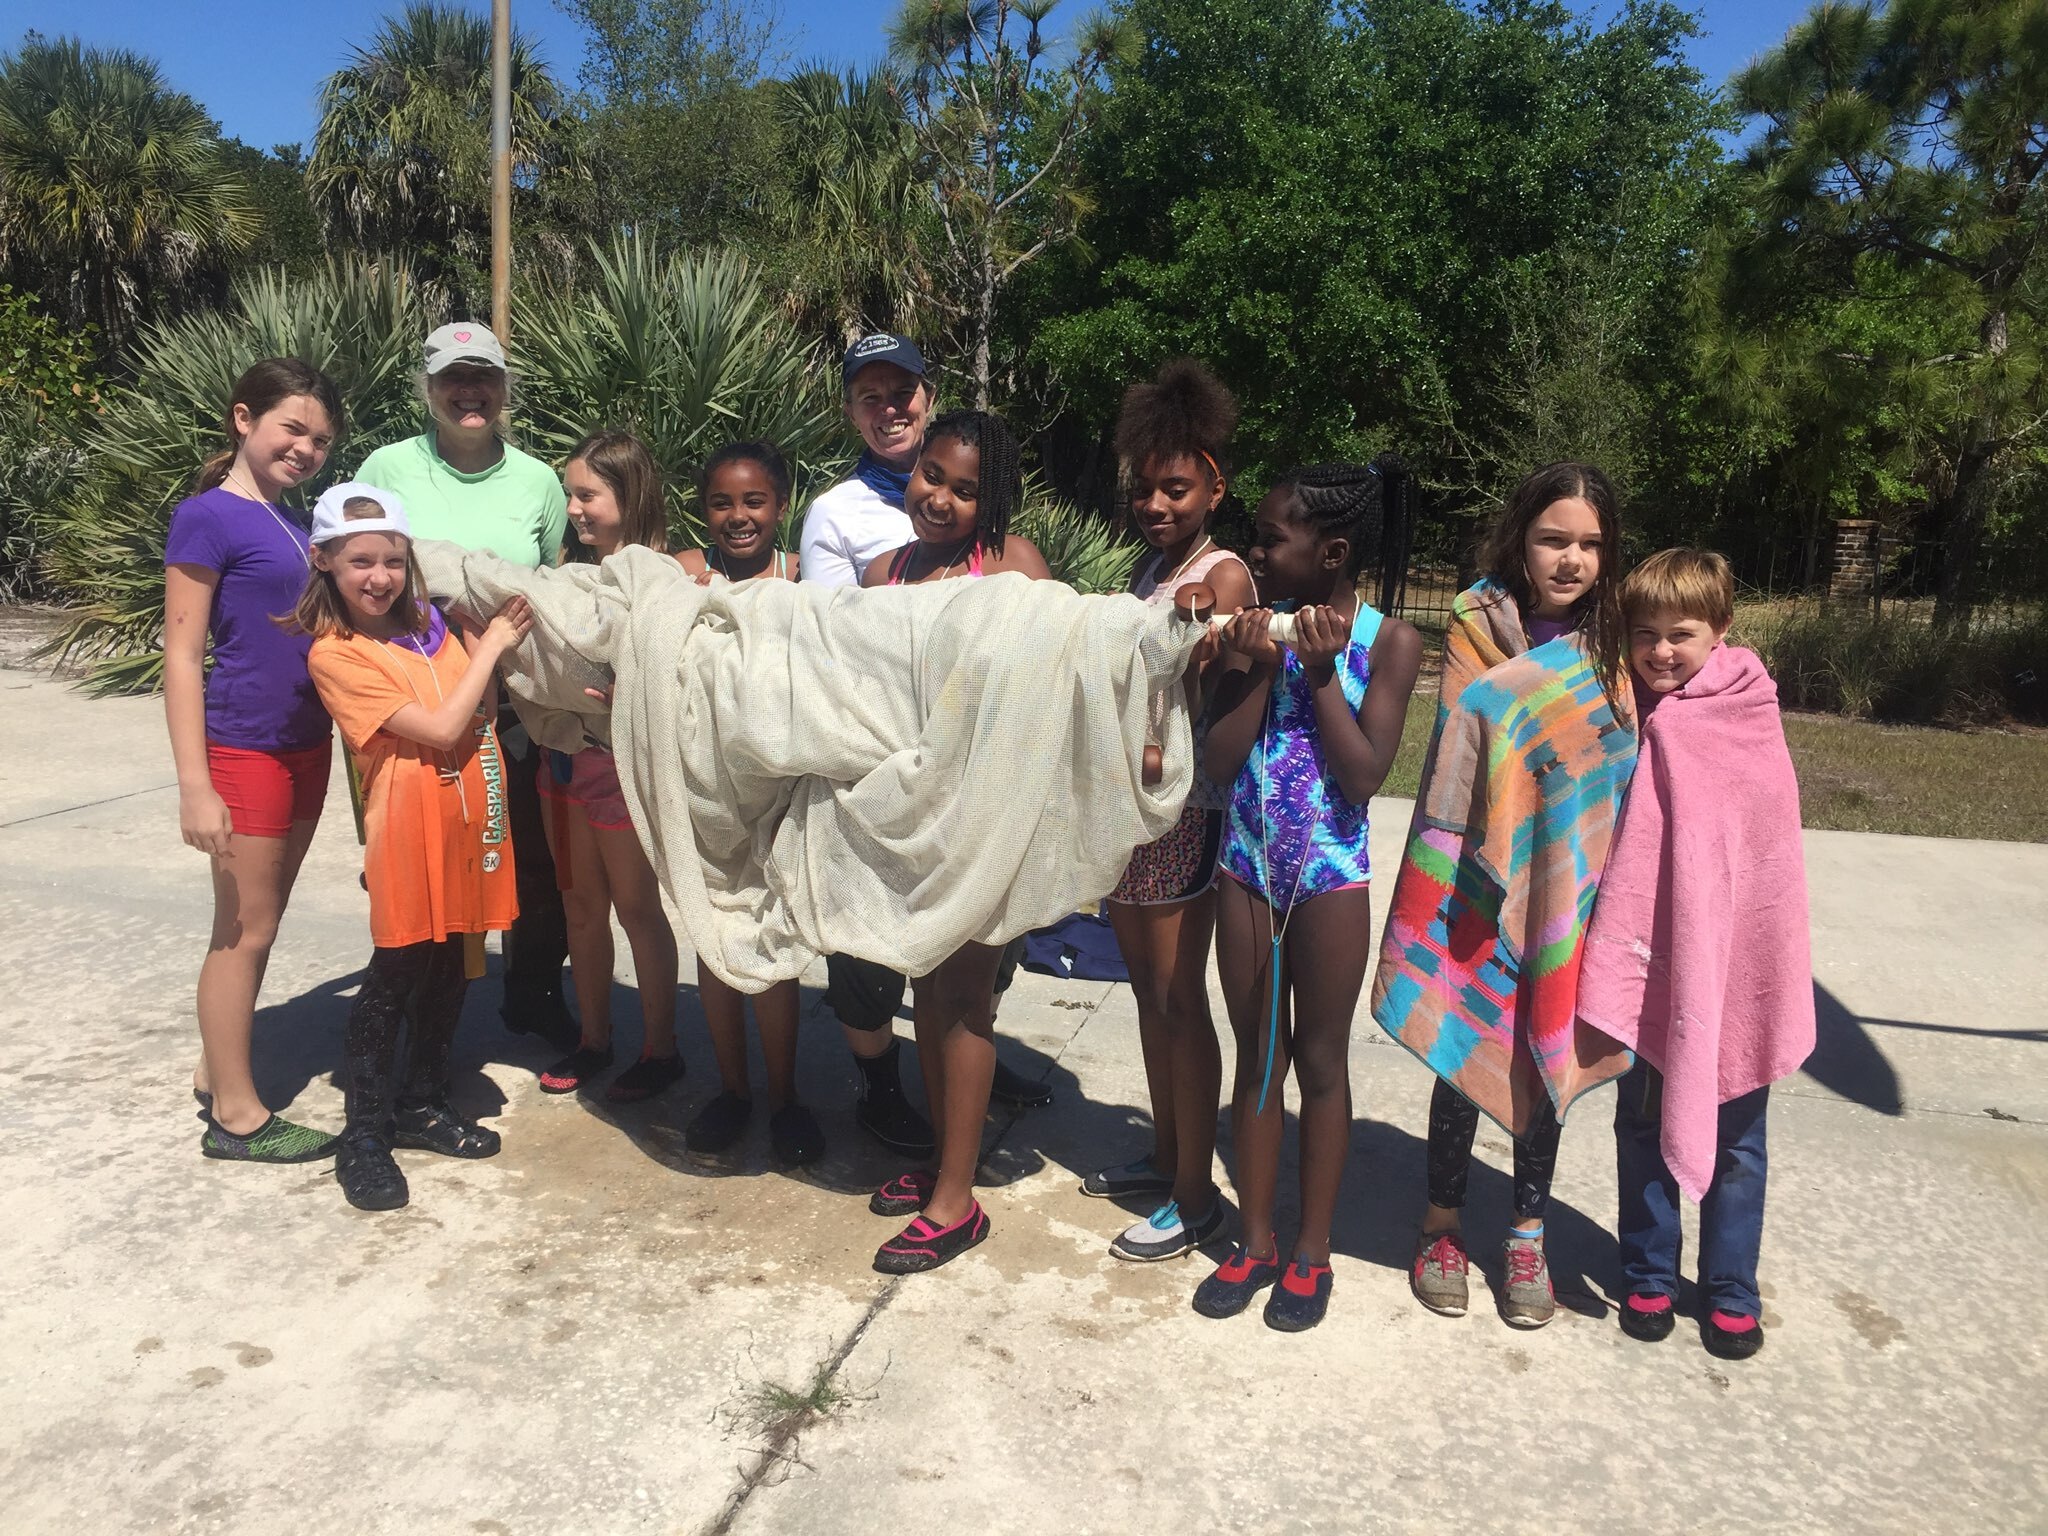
(295, 535)
(1193, 555)
(960, 554)
(773, 562)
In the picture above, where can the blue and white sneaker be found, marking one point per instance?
(1138, 1178)
(1164, 1235)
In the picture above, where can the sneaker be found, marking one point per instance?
(1301, 1298)
(1012, 1088)
(1163, 1235)
(644, 1079)
(1731, 1335)
(1439, 1275)
(435, 1127)
(904, 1195)
(274, 1141)
(1139, 1178)
(719, 1125)
(1237, 1280)
(576, 1069)
(1648, 1315)
(889, 1118)
(922, 1246)
(369, 1175)
(794, 1136)
(1526, 1300)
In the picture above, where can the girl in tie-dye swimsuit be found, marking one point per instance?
(1305, 739)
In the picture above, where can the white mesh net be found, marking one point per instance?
(887, 774)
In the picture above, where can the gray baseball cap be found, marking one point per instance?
(464, 342)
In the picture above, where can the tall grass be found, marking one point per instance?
(1898, 668)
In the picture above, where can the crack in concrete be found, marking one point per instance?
(773, 1451)
(66, 810)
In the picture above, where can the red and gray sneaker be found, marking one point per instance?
(1237, 1280)
(1526, 1300)
(904, 1195)
(1438, 1277)
(925, 1245)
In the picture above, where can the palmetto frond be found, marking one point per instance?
(687, 351)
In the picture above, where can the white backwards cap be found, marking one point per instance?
(331, 521)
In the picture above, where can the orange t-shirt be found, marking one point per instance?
(439, 834)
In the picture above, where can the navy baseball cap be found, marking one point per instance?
(881, 348)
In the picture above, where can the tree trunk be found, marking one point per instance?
(984, 324)
(1962, 525)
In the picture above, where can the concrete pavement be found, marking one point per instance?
(587, 1332)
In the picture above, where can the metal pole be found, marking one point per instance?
(501, 170)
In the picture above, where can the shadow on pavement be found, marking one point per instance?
(1847, 1060)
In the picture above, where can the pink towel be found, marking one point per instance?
(1698, 957)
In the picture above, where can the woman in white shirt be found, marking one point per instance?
(889, 401)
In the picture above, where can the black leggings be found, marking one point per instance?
(420, 982)
(1454, 1120)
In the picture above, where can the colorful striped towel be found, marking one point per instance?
(1479, 970)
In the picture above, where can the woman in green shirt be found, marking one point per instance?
(461, 481)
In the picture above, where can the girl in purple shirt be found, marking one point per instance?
(250, 739)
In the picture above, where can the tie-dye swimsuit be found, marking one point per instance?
(1314, 839)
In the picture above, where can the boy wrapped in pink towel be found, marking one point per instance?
(1698, 957)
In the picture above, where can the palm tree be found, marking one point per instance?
(113, 187)
(402, 158)
(847, 202)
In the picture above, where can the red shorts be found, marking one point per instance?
(266, 792)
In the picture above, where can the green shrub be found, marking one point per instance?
(49, 391)
(360, 321)
(1084, 551)
(688, 352)
(1897, 667)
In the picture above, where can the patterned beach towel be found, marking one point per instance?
(1478, 972)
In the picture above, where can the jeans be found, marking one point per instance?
(1731, 1216)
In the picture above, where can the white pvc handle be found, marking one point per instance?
(1280, 627)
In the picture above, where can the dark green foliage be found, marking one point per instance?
(114, 190)
(1358, 216)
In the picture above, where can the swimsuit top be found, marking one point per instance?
(1156, 585)
(899, 564)
(777, 567)
(1292, 833)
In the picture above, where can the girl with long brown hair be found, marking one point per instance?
(251, 740)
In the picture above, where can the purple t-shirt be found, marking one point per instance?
(258, 694)
(1543, 631)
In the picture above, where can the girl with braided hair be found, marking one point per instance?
(962, 494)
(966, 487)
(1305, 737)
(1171, 438)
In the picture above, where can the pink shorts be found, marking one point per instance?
(265, 792)
(593, 787)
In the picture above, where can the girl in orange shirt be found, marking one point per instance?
(416, 709)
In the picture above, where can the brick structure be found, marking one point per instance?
(1859, 556)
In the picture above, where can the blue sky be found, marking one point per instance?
(256, 65)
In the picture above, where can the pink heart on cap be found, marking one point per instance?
(462, 335)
